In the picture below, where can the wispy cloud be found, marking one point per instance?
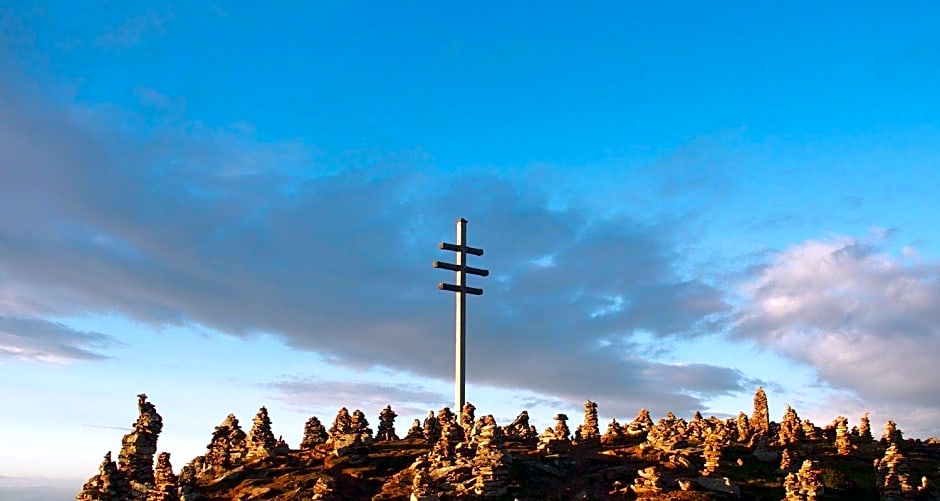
(41, 340)
(106, 427)
(135, 29)
(39, 488)
(311, 394)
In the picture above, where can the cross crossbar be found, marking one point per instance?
(461, 248)
(469, 269)
(456, 288)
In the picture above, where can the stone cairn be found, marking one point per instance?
(261, 442)
(125, 480)
(342, 424)
(811, 432)
(187, 483)
(864, 430)
(422, 487)
(227, 447)
(804, 485)
(451, 435)
(132, 476)
(360, 424)
(614, 435)
(520, 429)
(648, 483)
(562, 432)
(697, 428)
(467, 418)
(442, 467)
(786, 460)
(138, 447)
(760, 418)
(386, 429)
(432, 428)
(469, 457)
(280, 447)
(108, 485)
(892, 434)
(717, 435)
(324, 490)
(892, 475)
(590, 431)
(556, 441)
(490, 461)
(350, 433)
(641, 424)
(791, 428)
(668, 434)
(711, 453)
(314, 434)
(166, 483)
(415, 431)
(743, 428)
(843, 440)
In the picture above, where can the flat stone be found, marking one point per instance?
(719, 485)
(766, 455)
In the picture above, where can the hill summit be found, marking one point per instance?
(450, 456)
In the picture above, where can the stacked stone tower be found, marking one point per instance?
(314, 434)
(261, 442)
(590, 431)
(386, 425)
(760, 419)
(227, 446)
(139, 446)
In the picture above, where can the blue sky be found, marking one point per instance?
(231, 205)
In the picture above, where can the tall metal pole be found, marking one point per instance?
(460, 325)
(462, 289)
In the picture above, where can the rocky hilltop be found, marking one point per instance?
(451, 456)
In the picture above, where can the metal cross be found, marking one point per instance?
(461, 288)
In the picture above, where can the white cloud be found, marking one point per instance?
(865, 320)
(193, 224)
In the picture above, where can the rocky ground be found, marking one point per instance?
(465, 457)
